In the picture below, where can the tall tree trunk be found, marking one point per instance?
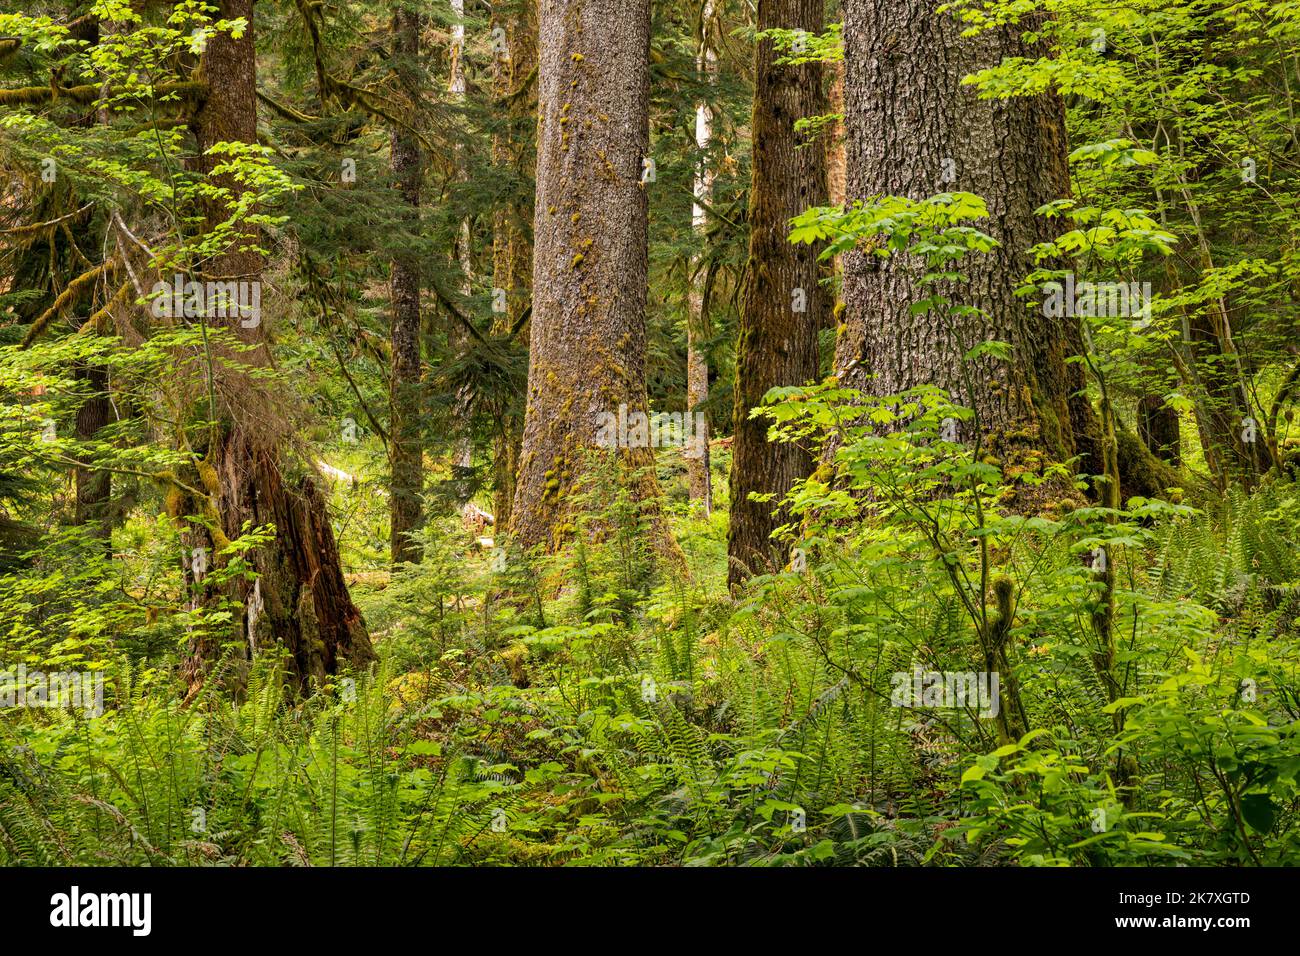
(405, 391)
(515, 58)
(837, 170)
(784, 302)
(836, 160)
(588, 337)
(94, 486)
(914, 130)
(300, 601)
(698, 477)
(462, 460)
(1234, 440)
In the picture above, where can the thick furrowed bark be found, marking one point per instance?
(588, 335)
(300, 602)
(784, 302)
(914, 131)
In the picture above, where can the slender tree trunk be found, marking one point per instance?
(588, 338)
(462, 459)
(94, 486)
(837, 170)
(406, 392)
(784, 302)
(698, 477)
(1234, 439)
(1158, 428)
(515, 59)
(914, 130)
(300, 601)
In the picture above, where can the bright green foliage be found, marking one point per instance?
(597, 708)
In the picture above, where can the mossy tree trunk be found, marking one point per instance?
(1234, 438)
(699, 480)
(462, 459)
(784, 302)
(405, 391)
(94, 486)
(513, 78)
(588, 338)
(914, 130)
(1159, 429)
(299, 604)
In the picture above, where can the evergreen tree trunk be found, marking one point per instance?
(784, 303)
(405, 391)
(837, 168)
(588, 338)
(462, 460)
(300, 601)
(914, 131)
(698, 477)
(836, 160)
(1158, 429)
(1234, 440)
(94, 486)
(512, 248)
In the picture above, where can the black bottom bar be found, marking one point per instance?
(517, 906)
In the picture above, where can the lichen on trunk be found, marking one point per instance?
(300, 604)
(588, 337)
(915, 130)
(784, 302)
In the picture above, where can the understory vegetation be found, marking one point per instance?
(584, 710)
(615, 433)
